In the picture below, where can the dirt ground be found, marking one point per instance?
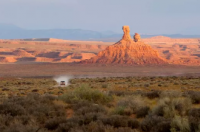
(77, 70)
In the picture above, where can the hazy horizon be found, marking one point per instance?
(145, 17)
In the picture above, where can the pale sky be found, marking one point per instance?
(143, 16)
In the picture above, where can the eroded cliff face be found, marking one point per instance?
(128, 51)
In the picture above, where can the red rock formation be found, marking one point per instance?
(136, 37)
(126, 51)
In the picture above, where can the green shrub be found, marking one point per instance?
(87, 94)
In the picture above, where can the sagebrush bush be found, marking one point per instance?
(154, 123)
(142, 112)
(86, 93)
(129, 105)
(170, 107)
(153, 94)
(194, 119)
(28, 112)
(119, 121)
(52, 124)
(91, 108)
(180, 124)
(171, 94)
(195, 96)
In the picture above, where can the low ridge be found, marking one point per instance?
(128, 51)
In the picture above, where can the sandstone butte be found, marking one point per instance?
(128, 51)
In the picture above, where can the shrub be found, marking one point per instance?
(119, 121)
(100, 127)
(105, 85)
(195, 96)
(85, 107)
(171, 94)
(142, 112)
(180, 124)
(26, 114)
(169, 107)
(11, 108)
(121, 93)
(21, 128)
(53, 123)
(131, 104)
(87, 94)
(194, 119)
(182, 105)
(153, 94)
(154, 123)
(121, 111)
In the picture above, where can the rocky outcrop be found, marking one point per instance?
(127, 51)
(137, 37)
(126, 35)
(7, 59)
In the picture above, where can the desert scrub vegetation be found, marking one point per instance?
(114, 104)
(86, 93)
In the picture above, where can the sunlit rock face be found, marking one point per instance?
(128, 51)
(137, 37)
(126, 35)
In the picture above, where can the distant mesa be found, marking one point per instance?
(128, 51)
(161, 37)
